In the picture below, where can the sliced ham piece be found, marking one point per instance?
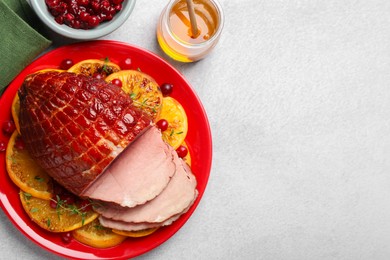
(138, 174)
(130, 226)
(173, 200)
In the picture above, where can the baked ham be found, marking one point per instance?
(74, 125)
(91, 139)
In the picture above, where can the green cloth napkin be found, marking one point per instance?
(20, 43)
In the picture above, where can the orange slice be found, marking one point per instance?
(96, 235)
(140, 233)
(47, 70)
(64, 218)
(174, 113)
(25, 172)
(143, 90)
(92, 66)
(15, 108)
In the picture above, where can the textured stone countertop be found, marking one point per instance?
(298, 98)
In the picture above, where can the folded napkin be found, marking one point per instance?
(20, 43)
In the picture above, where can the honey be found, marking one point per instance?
(174, 32)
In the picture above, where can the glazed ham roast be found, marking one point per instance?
(91, 139)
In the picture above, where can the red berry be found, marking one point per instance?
(118, 7)
(66, 237)
(84, 16)
(68, 18)
(93, 21)
(8, 127)
(182, 151)
(117, 82)
(66, 64)
(3, 147)
(68, 198)
(75, 24)
(97, 75)
(125, 64)
(53, 203)
(85, 205)
(166, 89)
(162, 124)
(83, 2)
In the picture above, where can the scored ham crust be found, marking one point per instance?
(74, 125)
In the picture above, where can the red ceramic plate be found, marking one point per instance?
(198, 140)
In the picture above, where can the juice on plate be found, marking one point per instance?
(174, 32)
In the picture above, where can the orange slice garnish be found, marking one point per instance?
(143, 90)
(25, 172)
(63, 218)
(174, 113)
(96, 235)
(140, 233)
(94, 66)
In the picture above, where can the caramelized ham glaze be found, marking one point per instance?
(74, 126)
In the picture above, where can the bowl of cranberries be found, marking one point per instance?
(83, 19)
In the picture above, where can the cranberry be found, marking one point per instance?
(83, 14)
(52, 3)
(67, 198)
(118, 7)
(85, 205)
(93, 21)
(59, 19)
(166, 89)
(3, 147)
(66, 64)
(8, 127)
(117, 82)
(66, 237)
(97, 75)
(104, 4)
(182, 151)
(83, 2)
(125, 64)
(108, 17)
(75, 24)
(162, 124)
(53, 203)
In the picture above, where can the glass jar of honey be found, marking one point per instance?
(174, 32)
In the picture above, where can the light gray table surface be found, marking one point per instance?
(298, 98)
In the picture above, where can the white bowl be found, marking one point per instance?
(40, 8)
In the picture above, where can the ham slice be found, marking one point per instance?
(138, 174)
(130, 226)
(173, 200)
